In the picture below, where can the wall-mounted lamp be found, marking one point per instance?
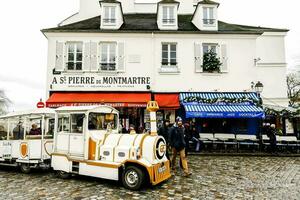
(256, 60)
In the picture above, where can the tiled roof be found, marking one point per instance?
(209, 2)
(147, 23)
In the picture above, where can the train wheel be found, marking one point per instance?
(25, 168)
(133, 178)
(62, 174)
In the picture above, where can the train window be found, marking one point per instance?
(63, 123)
(77, 123)
(102, 121)
(50, 130)
(3, 131)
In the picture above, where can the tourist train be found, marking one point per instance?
(84, 141)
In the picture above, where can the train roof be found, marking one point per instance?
(34, 112)
(96, 108)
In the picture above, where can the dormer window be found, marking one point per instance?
(168, 15)
(109, 15)
(208, 16)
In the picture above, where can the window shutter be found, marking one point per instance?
(94, 56)
(224, 58)
(198, 57)
(121, 57)
(59, 62)
(87, 57)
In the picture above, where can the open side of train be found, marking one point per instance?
(86, 142)
(20, 148)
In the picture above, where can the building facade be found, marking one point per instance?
(126, 52)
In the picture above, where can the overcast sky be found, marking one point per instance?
(23, 49)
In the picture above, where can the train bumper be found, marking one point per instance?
(160, 173)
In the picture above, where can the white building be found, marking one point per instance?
(123, 52)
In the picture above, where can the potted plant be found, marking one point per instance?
(211, 63)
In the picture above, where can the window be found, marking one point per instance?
(208, 16)
(108, 56)
(169, 55)
(168, 15)
(109, 15)
(103, 121)
(70, 123)
(211, 61)
(74, 56)
(210, 47)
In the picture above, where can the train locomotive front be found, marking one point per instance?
(87, 142)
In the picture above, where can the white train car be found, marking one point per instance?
(26, 139)
(87, 142)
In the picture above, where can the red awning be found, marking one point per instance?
(167, 101)
(89, 98)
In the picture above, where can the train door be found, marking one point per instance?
(76, 136)
(70, 137)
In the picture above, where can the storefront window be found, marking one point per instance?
(103, 121)
(74, 56)
(108, 56)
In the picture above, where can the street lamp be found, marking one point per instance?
(259, 87)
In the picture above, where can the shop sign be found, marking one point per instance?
(109, 83)
(115, 105)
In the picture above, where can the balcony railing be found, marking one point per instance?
(109, 21)
(209, 21)
(168, 21)
(171, 64)
(108, 66)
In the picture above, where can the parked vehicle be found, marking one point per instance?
(26, 139)
(87, 142)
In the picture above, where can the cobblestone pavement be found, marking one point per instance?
(213, 178)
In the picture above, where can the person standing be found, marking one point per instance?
(132, 129)
(195, 138)
(178, 144)
(18, 131)
(164, 132)
(272, 137)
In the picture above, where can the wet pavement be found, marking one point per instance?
(213, 178)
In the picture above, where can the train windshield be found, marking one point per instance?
(103, 121)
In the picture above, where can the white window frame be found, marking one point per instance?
(74, 61)
(108, 54)
(209, 16)
(112, 19)
(210, 46)
(169, 20)
(169, 64)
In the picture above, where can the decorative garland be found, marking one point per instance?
(282, 113)
(225, 100)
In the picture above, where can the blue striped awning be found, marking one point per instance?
(221, 110)
(214, 95)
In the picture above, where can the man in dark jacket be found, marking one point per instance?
(178, 144)
(164, 132)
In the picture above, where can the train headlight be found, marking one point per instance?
(161, 148)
